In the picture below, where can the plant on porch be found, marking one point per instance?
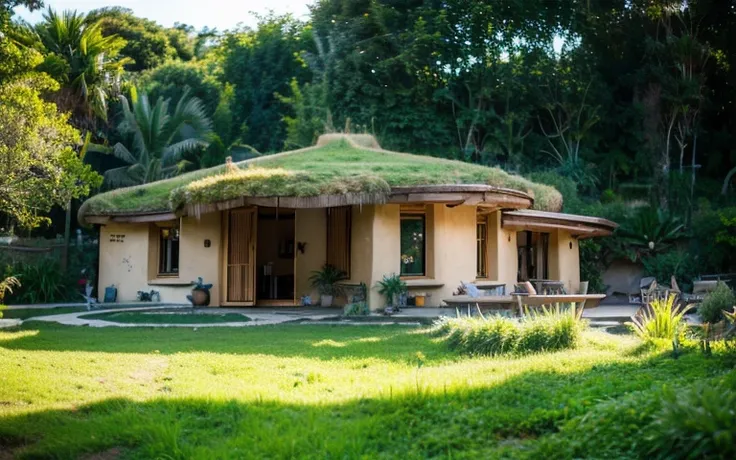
(392, 287)
(326, 282)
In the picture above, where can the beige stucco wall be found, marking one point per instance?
(564, 259)
(450, 243)
(386, 248)
(126, 263)
(310, 228)
(503, 260)
(454, 250)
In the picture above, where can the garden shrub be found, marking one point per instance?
(699, 422)
(356, 309)
(715, 303)
(41, 281)
(549, 330)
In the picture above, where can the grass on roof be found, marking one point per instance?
(335, 168)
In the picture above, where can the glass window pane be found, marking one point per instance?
(482, 249)
(412, 245)
(168, 262)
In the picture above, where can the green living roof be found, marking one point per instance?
(339, 164)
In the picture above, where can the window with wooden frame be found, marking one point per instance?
(338, 238)
(168, 250)
(413, 244)
(482, 248)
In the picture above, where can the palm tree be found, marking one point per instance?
(86, 63)
(158, 139)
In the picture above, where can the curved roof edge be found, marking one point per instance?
(579, 226)
(454, 194)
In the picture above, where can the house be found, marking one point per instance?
(259, 228)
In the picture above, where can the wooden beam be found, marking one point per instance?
(145, 218)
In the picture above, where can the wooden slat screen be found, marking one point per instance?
(338, 238)
(240, 264)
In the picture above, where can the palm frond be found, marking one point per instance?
(124, 176)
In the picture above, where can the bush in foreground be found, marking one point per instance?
(547, 330)
(681, 422)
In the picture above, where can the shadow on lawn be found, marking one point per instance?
(495, 420)
(391, 343)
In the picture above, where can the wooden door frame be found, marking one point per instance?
(225, 257)
(276, 302)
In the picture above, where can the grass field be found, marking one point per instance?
(134, 317)
(322, 392)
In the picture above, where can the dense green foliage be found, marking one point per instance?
(715, 303)
(40, 166)
(331, 391)
(147, 44)
(157, 138)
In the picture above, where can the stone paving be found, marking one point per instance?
(600, 316)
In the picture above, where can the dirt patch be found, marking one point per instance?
(109, 454)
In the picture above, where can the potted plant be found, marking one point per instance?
(392, 287)
(326, 282)
(200, 293)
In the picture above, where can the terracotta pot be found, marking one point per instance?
(419, 300)
(200, 297)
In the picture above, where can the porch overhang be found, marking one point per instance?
(131, 218)
(484, 196)
(542, 221)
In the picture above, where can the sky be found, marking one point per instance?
(220, 14)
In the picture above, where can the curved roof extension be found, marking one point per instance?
(579, 226)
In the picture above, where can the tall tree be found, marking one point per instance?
(86, 63)
(148, 44)
(261, 64)
(37, 150)
(157, 139)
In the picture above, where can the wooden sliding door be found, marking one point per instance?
(240, 257)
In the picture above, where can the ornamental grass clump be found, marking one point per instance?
(549, 329)
(663, 319)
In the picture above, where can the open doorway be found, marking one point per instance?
(275, 256)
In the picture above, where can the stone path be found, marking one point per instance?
(256, 319)
(601, 316)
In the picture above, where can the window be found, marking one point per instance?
(413, 248)
(338, 238)
(482, 249)
(168, 251)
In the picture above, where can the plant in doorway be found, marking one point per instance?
(200, 293)
(326, 282)
(392, 287)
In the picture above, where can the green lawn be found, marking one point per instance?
(135, 317)
(321, 392)
(25, 313)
